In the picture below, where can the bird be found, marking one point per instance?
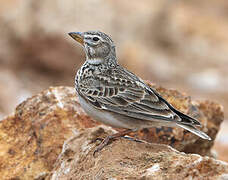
(114, 96)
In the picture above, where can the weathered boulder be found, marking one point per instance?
(32, 138)
(124, 159)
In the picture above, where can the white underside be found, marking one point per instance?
(101, 116)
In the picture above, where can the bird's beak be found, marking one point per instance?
(77, 36)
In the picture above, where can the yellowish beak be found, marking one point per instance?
(77, 36)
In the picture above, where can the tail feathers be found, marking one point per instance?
(195, 131)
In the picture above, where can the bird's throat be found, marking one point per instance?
(95, 61)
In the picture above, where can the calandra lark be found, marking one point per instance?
(114, 96)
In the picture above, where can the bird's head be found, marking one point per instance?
(98, 46)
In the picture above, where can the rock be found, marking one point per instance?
(32, 138)
(141, 161)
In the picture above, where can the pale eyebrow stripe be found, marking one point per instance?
(91, 36)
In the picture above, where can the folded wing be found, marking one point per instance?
(128, 96)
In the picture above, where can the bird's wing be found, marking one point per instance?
(122, 92)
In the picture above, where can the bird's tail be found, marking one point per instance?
(193, 130)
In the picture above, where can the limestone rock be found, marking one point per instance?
(32, 138)
(140, 161)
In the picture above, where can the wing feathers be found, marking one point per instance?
(139, 114)
(130, 96)
(186, 119)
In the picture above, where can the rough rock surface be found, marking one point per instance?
(32, 138)
(141, 161)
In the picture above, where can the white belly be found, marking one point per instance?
(102, 116)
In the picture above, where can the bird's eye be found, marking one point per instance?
(96, 39)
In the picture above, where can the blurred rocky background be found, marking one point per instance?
(176, 44)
